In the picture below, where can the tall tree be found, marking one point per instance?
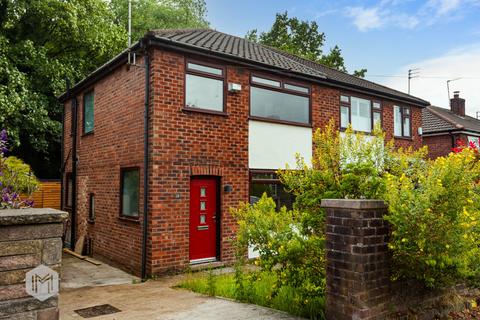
(160, 14)
(45, 42)
(303, 39)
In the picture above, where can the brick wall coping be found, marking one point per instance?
(353, 203)
(31, 216)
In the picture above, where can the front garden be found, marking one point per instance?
(433, 212)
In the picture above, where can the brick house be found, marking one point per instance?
(443, 128)
(156, 151)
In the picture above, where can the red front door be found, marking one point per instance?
(203, 215)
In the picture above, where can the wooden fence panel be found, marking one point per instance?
(47, 195)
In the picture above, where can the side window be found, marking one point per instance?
(91, 207)
(129, 192)
(88, 111)
(204, 87)
(402, 121)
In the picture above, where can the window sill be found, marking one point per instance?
(403, 138)
(367, 133)
(90, 221)
(211, 112)
(291, 123)
(87, 134)
(128, 219)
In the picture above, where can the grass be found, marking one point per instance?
(258, 288)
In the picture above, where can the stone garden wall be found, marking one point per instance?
(358, 269)
(28, 238)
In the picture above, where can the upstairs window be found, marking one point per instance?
(204, 87)
(88, 108)
(362, 114)
(402, 121)
(279, 101)
(129, 192)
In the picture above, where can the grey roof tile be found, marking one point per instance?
(436, 119)
(222, 43)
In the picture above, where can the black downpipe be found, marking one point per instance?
(145, 164)
(73, 222)
(62, 153)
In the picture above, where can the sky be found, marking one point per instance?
(387, 37)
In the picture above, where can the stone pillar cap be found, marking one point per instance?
(31, 216)
(353, 203)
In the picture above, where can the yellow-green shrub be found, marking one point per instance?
(434, 215)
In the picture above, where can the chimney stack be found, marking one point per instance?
(457, 104)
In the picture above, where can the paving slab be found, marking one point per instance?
(77, 273)
(157, 300)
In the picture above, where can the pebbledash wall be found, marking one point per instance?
(182, 144)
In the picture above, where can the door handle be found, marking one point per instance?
(214, 216)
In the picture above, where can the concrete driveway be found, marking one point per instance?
(86, 285)
(156, 299)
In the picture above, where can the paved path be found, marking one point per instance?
(154, 300)
(77, 273)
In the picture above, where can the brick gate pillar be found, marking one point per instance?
(357, 266)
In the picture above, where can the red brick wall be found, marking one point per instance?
(117, 142)
(441, 145)
(191, 143)
(182, 144)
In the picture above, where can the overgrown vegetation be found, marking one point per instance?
(260, 288)
(434, 211)
(17, 181)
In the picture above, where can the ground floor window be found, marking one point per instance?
(129, 192)
(267, 181)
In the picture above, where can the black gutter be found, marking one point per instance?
(145, 163)
(73, 221)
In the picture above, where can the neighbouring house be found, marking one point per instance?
(444, 128)
(157, 150)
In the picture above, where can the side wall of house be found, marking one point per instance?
(441, 145)
(116, 142)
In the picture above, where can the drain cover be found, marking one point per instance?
(96, 311)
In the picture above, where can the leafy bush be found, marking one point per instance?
(16, 179)
(434, 213)
(295, 257)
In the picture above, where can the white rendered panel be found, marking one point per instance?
(272, 145)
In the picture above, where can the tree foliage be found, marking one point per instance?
(160, 14)
(301, 38)
(45, 42)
